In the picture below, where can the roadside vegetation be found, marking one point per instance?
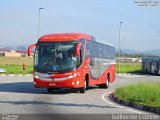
(16, 69)
(13, 65)
(128, 67)
(142, 93)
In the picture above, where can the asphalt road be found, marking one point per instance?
(18, 96)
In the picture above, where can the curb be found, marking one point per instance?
(129, 74)
(17, 75)
(117, 74)
(134, 105)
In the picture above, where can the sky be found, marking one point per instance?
(101, 18)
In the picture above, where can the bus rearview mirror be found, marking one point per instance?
(30, 48)
(78, 46)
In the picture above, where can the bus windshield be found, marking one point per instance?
(55, 56)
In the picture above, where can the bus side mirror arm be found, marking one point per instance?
(78, 49)
(30, 48)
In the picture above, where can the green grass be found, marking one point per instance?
(15, 69)
(128, 67)
(13, 65)
(142, 93)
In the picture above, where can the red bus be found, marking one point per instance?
(72, 60)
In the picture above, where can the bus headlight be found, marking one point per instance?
(42, 76)
(78, 82)
(37, 77)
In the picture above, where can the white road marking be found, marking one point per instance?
(122, 107)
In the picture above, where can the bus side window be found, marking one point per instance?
(88, 48)
(81, 57)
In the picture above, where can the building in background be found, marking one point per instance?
(13, 53)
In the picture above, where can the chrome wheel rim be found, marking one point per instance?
(107, 82)
(85, 85)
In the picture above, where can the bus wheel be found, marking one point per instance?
(49, 90)
(107, 83)
(83, 89)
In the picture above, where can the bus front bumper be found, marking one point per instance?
(70, 83)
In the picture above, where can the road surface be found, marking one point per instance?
(18, 96)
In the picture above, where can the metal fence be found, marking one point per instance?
(16, 60)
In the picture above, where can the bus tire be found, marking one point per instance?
(50, 90)
(83, 89)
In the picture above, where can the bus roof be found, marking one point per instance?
(64, 37)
